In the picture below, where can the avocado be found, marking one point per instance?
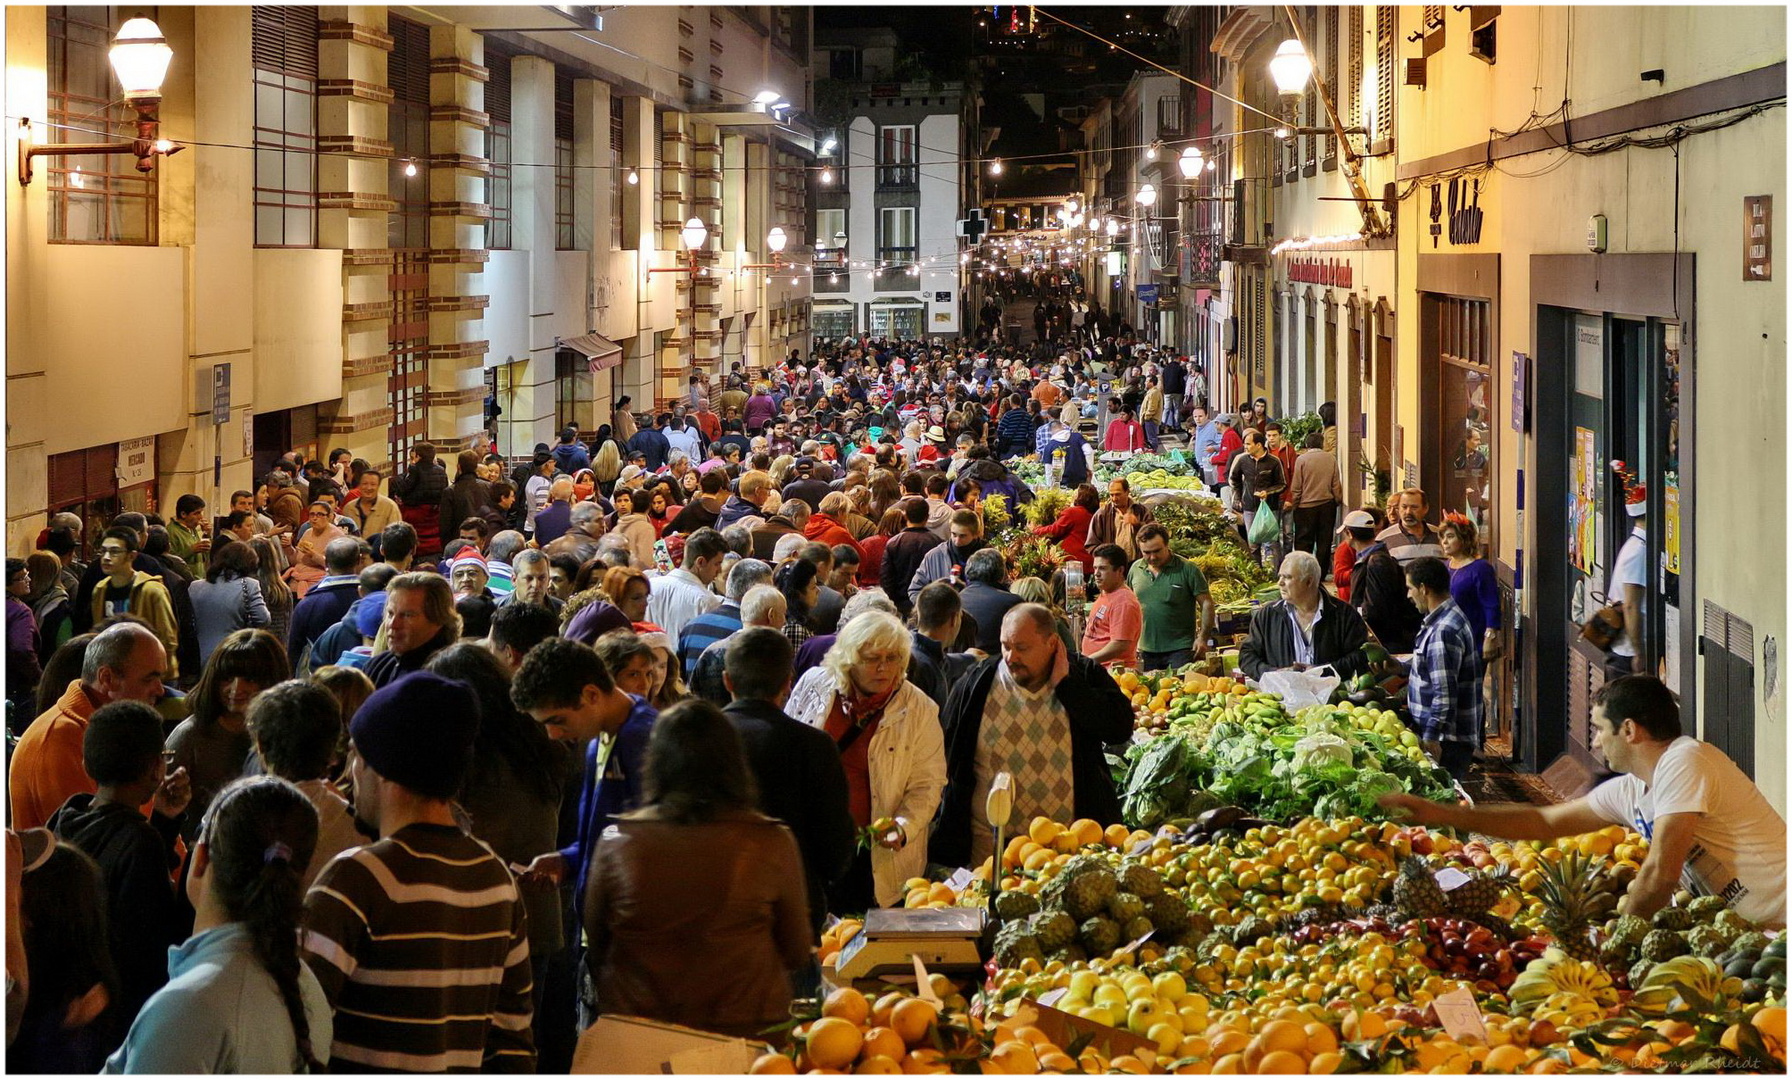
(1740, 968)
(1767, 966)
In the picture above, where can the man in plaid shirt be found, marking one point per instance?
(1444, 694)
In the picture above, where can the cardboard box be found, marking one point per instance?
(626, 1045)
(1065, 1028)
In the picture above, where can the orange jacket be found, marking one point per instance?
(46, 764)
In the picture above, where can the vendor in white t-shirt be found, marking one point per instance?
(1627, 585)
(1710, 828)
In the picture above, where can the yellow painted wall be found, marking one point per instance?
(298, 327)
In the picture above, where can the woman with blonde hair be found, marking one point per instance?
(271, 573)
(781, 466)
(606, 466)
(889, 736)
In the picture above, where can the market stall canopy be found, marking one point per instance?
(599, 350)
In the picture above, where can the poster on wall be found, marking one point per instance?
(1670, 525)
(1583, 503)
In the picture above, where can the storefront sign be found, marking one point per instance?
(220, 394)
(1757, 242)
(136, 461)
(1335, 273)
(1520, 368)
(1147, 294)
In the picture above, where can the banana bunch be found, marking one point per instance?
(1555, 972)
(1568, 1011)
(1665, 988)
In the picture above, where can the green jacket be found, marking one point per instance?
(149, 601)
(184, 542)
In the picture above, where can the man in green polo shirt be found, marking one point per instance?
(1178, 608)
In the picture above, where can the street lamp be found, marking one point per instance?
(140, 57)
(1147, 196)
(995, 167)
(1290, 68)
(1190, 163)
(775, 239)
(694, 233)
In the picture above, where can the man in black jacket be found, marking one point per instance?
(797, 767)
(904, 552)
(329, 600)
(122, 751)
(1378, 590)
(1307, 628)
(1055, 712)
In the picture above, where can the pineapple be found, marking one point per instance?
(1567, 891)
(1480, 892)
(1416, 892)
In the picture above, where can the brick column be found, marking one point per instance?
(458, 212)
(352, 209)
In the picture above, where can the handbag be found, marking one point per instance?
(1266, 526)
(1604, 626)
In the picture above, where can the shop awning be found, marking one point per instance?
(599, 350)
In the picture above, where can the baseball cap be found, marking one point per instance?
(1358, 519)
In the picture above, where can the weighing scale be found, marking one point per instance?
(944, 938)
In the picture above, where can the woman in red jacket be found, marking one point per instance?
(827, 524)
(1072, 526)
(1230, 443)
(871, 563)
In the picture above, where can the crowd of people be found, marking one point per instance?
(421, 773)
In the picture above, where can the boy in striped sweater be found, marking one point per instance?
(420, 939)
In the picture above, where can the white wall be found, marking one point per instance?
(941, 207)
(508, 283)
(298, 328)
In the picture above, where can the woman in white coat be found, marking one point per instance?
(891, 745)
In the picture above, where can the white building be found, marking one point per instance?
(887, 257)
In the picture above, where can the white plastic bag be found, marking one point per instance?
(1301, 688)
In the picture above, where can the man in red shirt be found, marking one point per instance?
(1116, 621)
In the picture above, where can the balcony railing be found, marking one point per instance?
(898, 177)
(899, 256)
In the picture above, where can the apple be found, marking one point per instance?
(1083, 985)
(1143, 1015)
(1170, 986)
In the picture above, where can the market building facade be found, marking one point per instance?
(386, 225)
(1525, 316)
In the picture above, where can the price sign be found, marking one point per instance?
(1460, 1016)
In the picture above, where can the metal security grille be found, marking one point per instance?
(564, 232)
(1728, 644)
(408, 342)
(100, 199)
(407, 127)
(284, 49)
(498, 187)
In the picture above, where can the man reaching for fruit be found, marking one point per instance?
(1707, 823)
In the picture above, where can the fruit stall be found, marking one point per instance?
(1256, 913)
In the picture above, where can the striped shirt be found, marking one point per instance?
(421, 944)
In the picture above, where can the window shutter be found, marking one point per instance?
(1385, 30)
(407, 66)
(563, 107)
(1355, 74)
(497, 84)
(1331, 77)
(284, 39)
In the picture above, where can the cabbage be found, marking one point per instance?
(1320, 749)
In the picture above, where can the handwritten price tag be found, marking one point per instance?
(959, 879)
(1459, 1015)
(1134, 947)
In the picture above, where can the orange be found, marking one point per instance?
(926, 1060)
(880, 1012)
(878, 1065)
(1284, 1035)
(1016, 1057)
(833, 1043)
(1281, 1062)
(1230, 1042)
(1230, 1064)
(885, 1042)
(911, 1018)
(1324, 1064)
(847, 1004)
(1321, 1039)
(770, 1064)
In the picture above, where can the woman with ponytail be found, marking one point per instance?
(238, 999)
